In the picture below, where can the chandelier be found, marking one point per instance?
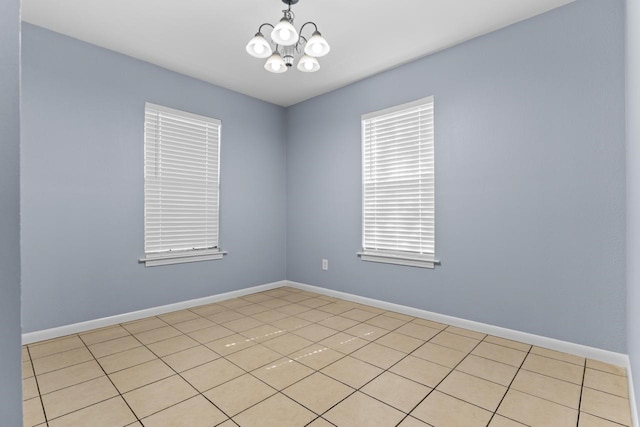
(288, 43)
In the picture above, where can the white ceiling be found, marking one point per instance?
(206, 39)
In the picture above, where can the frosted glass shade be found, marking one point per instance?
(275, 64)
(259, 47)
(317, 46)
(308, 64)
(284, 33)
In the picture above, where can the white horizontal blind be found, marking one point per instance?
(181, 180)
(398, 181)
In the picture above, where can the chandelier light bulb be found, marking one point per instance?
(285, 34)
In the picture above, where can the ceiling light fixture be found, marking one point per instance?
(288, 43)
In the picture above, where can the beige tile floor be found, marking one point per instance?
(287, 357)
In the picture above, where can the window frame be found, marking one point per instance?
(371, 252)
(162, 254)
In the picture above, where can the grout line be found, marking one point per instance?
(510, 384)
(69, 386)
(88, 406)
(606, 420)
(543, 398)
(114, 386)
(35, 378)
(442, 380)
(319, 418)
(582, 365)
(375, 377)
(129, 334)
(57, 353)
(606, 392)
(584, 374)
(607, 372)
(153, 382)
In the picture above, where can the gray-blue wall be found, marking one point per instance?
(633, 189)
(10, 378)
(82, 184)
(530, 179)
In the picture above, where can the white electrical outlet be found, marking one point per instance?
(325, 264)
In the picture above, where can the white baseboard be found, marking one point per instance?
(564, 346)
(635, 422)
(75, 328)
(537, 340)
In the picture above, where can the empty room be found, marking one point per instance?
(273, 213)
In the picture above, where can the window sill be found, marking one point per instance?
(399, 259)
(181, 257)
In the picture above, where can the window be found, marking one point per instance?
(398, 185)
(181, 186)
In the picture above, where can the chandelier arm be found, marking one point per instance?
(307, 23)
(266, 23)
